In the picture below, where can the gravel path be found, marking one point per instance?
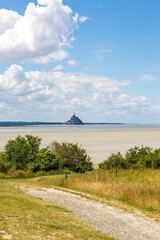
(110, 220)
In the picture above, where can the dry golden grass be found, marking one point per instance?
(141, 189)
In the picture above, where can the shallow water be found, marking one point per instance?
(85, 127)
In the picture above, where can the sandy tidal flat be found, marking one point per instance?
(98, 143)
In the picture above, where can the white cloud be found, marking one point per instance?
(58, 68)
(83, 19)
(42, 93)
(155, 110)
(80, 19)
(1, 105)
(73, 39)
(57, 56)
(75, 18)
(147, 77)
(72, 62)
(124, 101)
(76, 101)
(8, 20)
(40, 35)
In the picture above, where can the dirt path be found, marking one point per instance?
(110, 220)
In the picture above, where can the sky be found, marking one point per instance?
(97, 58)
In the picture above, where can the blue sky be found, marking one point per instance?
(97, 58)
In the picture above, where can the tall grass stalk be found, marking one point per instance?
(140, 188)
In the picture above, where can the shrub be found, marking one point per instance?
(136, 158)
(22, 151)
(72, 157)
(155, 159)
(137, 154)
(5, 165)
(45, 161)
(114, 161)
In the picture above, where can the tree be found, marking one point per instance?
(22, 151)
(115, 161)
(138, 156)
(4, 164)
(45, 161)
(72, 157)
(155, 159)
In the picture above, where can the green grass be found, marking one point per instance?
(25, 217)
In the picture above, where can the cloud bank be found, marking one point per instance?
(40, 35)
(38, 93)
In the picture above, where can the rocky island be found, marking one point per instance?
(74, 121)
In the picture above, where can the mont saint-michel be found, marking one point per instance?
(74, 121)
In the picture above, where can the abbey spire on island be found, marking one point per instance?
(74, 121)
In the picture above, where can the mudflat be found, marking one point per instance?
(98, 143)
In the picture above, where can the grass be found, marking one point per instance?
(140, 189)
(133, 189)
(25, 217)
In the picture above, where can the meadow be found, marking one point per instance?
(131, 190)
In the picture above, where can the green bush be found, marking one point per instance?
(72, 157)
(136, 158)
(45, 161)
(22, 155)
(5, 165)
(155, 159)
(114, 161)
(22, 151)
(138, 154)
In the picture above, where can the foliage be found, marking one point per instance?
(154, 159)
(22, 157)
(114, 161)
(137, 158)
(5, 165)
(23, 154)
(138, 154)
(45, 161)
(72, 157)
(22, 151)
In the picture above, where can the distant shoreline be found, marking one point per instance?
(10, 123)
